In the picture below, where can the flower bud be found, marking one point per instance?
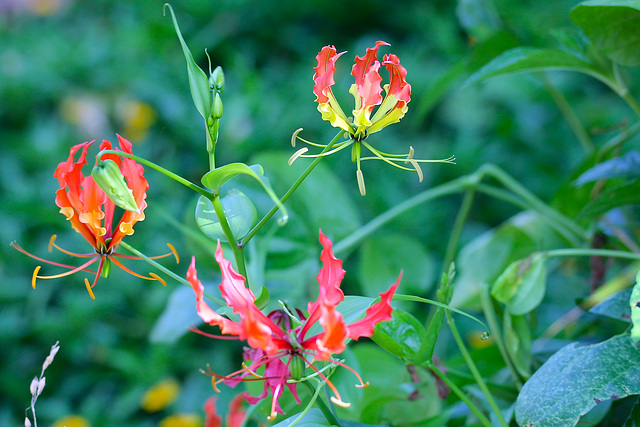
(34, 386)
(27, 422)
(216, 79)
(216, 110)
(41, 384)
(108, 176)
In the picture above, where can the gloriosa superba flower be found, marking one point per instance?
(285, 343)
(367, 92)
(91, 213)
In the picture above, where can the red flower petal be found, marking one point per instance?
(378, 312)
(398, 85)
(325, 70)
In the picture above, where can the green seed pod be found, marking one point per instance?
(108, 176)
(297, 367)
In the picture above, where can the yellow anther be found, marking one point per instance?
(53, 239)
(418, 169)
(297, 154)
(365, 385)
(34, 277)
(340, 402)
(175, 253)
(273, 416)
(214, 385)
(410, 155)
(86, 283)
(295, 136)
(158, 278)
(361, 187)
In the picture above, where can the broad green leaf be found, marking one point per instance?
(313, 418)
(384, 256)
(198, 80)
(575, 379)
(214, 180)
(238, 209)
(400, 336)
(614, 197)
(517, 340)
(627, 167)
(263, 298)
(616, 306)
(613, 26)
(634, 303)
(529, 59)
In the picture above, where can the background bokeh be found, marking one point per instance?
(73, 71)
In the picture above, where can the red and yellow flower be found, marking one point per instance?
(281, 342)
(367, 92)
(91, 212)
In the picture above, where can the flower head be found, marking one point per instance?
(91, 212)
(282, 342)
(367, 92)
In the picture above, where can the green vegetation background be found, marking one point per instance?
(86, 70)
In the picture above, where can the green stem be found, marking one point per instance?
(532, 201)
(291, 190)
(496, 333)
(570, 116)
(527, 200)
(474, 370)
(352, 240)
(160, 169)
(591, 252)
(454, 238)
(326, 411)
(618, 140)
(237, 249)
(621, 88)
(481, 417)
(165, 270)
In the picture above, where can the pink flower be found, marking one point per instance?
(280, 342)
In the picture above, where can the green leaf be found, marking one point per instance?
(198, 80)
(575, 379)
(529, 59)
(616, 306)
(522, 285)
(614, 197)
(613, 26)
(400, 336)
(517, 340)
(379, 266)
(634, 303)
(627, 167)
(214, 180)
(238, 209)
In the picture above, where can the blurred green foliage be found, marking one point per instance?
(72, 71)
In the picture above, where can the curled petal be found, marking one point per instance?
(325, 70)
(331, 341)
(364, 63)
(329, 280)
(378, 312)
(134, 174)
(204, 311)
(212, 418)
(398, 85)
(256, 328)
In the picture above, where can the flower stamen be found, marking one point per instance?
(86, 284)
